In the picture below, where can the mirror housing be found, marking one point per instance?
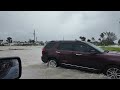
(10, 68)
(106, 51)
(93, 52)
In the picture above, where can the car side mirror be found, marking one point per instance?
(10, 68)
(93, 52)
(106, 51)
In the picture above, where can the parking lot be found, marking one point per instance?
(34, 68)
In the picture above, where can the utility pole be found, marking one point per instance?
(36, 39)
(63, 38)
(34, 35)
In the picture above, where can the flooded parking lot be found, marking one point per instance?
(34, 68)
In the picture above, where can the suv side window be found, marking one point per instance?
(65, 46)
(82, 47)
(50, 45)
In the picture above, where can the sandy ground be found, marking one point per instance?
(34, 68)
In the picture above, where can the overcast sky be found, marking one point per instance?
(53, 25)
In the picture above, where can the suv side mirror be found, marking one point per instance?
(106, 51)
(10, 68)
(93, 52)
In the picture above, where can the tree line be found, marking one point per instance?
(9, 40)
(106, 38)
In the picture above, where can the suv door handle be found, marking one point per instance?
(57, 52)
(78, 54)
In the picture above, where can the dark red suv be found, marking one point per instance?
(82, 55)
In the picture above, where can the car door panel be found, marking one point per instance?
(86, 59)
(65, 56)
(64, 52)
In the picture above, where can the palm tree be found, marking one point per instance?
(9, 40)
(99, 39)
(88, 40)
(102, 35)
(82, 38)
(93, 39)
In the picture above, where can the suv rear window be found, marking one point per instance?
(50, 45)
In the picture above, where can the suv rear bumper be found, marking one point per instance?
(44, 59)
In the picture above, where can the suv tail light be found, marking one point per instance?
(43, 51)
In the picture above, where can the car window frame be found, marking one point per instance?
(58, 47)
(47, 45)
(80, 43)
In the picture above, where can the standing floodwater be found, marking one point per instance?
(34, 68)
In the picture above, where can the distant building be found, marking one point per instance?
(5, 44)
(1, 43)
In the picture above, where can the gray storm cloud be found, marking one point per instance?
(53, 25)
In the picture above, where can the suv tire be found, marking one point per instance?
(52, 63)
(112, 72)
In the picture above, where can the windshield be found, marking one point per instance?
(96, 47)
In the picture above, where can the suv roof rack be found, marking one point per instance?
(65, 40)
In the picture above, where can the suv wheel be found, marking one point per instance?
(112, 72)
(52, 63)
